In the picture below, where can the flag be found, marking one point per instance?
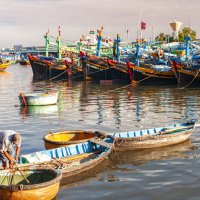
(143, 25)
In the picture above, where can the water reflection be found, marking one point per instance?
(38, 110)
(122, 160)
(4, 73)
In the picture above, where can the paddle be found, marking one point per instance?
(166, 131)
(17, 169)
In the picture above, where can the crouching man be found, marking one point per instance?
(10, 142)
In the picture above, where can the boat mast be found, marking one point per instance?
(137, 53)
(187, 49)
(118, 45)
(59, 44)
(46, 36)
(99, 37)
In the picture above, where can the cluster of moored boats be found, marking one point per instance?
(38, 175)
(172, 63)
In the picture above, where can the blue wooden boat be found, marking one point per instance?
(72, 159)
(153, 137)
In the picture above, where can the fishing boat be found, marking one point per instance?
(143, 139)
(38, 99)
(48, 68)
(4, 66)
(60, 139)
(154, 137)
(29, 183)
(71, 160)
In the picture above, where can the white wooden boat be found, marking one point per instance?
(38, 99)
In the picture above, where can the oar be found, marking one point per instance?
(22, 174)
(12, 178)
(173, 129)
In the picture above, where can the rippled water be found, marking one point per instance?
(164, 173)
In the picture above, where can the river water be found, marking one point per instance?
(164, 173)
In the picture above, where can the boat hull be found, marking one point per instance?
(187, 77)
(144, 76)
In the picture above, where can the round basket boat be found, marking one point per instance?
(26, 184)
(59, 139)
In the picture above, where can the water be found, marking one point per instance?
(165, 173)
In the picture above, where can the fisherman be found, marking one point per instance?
(10, 143)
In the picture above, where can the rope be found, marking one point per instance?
(191, 80)
(52, 78)
(146, 78)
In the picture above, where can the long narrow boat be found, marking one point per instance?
(71, 160)
(38, 99)
(29, 183)
(154, 137)
(133, 140)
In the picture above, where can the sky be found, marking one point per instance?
(24, 22)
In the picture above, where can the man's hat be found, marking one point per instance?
(17, 137)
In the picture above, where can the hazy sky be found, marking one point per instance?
(26, 21)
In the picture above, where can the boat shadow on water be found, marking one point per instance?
(142, 157)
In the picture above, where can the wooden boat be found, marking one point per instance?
(71, 160)
(154, 137)
(59, 139)
(29, 183)
(48, 68)
(4, 66)
(38, 99)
